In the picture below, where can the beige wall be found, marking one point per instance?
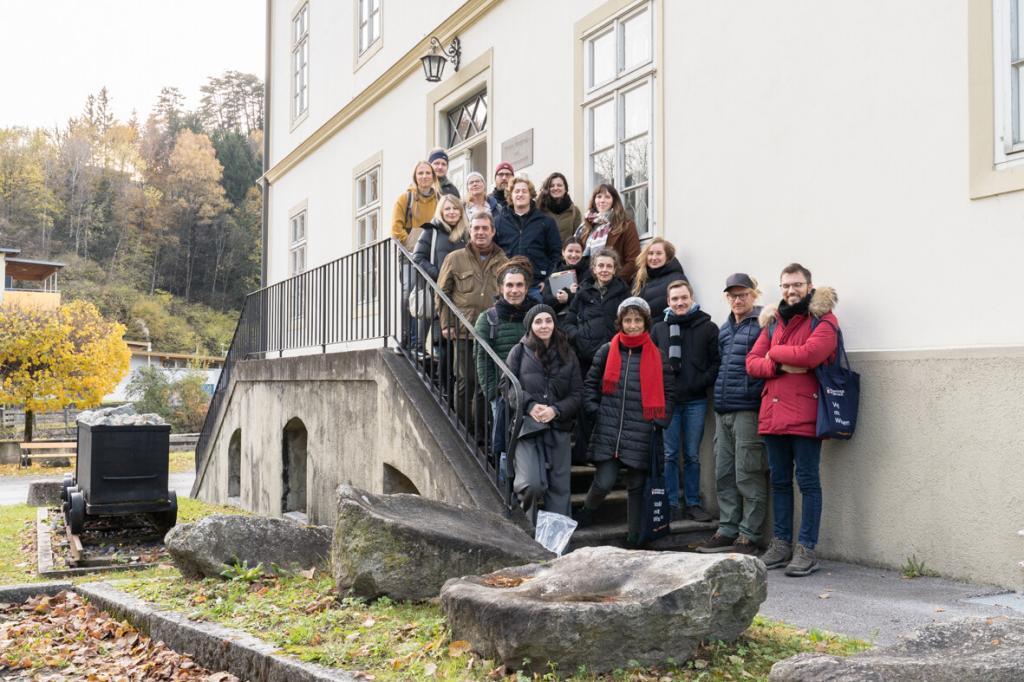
(42, 300)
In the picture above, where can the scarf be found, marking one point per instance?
(652, 384)
(675, 335)
(655, 273)
(512, 313)
(559, 205)
(788, 312)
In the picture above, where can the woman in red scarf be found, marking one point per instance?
(627, 395)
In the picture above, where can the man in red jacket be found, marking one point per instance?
(795, 338)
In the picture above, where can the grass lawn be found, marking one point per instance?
(401, 641)
(388, 640)
(180, 462)
(18, 542)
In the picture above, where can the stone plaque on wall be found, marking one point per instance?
(518, 150)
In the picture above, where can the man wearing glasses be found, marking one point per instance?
(499, 198)
(740, 463)
(796, 338)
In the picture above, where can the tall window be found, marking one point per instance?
(297, 244)
(368, 207)
(618, 101)
(300, 61)
(367, 228)
(369, 23)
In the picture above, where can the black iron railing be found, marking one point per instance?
(379, 294)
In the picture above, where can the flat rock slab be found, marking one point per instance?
(203, 548)
(407, 546)
(602, 607)
(43, 493)
(988, 649)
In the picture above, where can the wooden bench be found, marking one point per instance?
(51, 450)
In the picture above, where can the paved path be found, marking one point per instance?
(875, 604)
(14, 489)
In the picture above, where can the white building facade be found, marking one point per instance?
(880, 144)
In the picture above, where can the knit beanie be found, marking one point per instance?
(534, 312)
(634, 302)
(506, 165)
(475, 174)
(437, 154)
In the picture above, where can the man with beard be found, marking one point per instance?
(795, 338)
(498, 198)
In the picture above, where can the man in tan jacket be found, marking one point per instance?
(469, 277)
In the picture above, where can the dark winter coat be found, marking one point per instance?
(620, 430)
(431, 262)
(506, 334)
(558, 384)
(789, 402)
(534, 235)
(655, 290)
(448, 188)
(735, 390)
(590, 322)
(699, 364)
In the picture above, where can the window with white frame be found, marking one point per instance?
(618, 102)
(368, 210)
(297, 244)
(369, 23)
(300, 61)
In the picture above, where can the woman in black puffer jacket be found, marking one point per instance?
(628, 395)
(656, 268)
(590, 322)
(549, 374)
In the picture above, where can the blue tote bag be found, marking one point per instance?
(656, 514)
(838, 394)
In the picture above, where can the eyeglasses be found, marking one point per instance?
(794, 285)
(738, 297)
(504, 174)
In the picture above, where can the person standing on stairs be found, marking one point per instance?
(628, 395)
(549, 374)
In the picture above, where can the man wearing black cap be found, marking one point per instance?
(740, 462)
(439, 160)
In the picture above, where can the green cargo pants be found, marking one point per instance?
(740, 478)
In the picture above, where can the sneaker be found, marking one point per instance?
(778, 554)
(677, 513)
(743, 545)
(716, 543)
(697, 513)
(583, 517)
(804, 562)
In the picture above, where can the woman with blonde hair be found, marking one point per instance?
(448, 231)
(416, 206)
(607, 225)
(657, 267)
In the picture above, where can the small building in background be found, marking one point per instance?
(27, 282)
(172, 365)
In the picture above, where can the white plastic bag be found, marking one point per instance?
(554, 531)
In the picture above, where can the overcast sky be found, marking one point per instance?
(54, 53)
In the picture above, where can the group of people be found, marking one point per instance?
(616, 359)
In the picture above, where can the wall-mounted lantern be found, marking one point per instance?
(433, 63)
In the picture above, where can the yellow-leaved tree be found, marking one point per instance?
(52, 359)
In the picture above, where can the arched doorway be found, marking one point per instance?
(293, 496)
(397, 482)
(235, 464)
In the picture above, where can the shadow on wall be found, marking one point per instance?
(397, 482)
(293, 499)
(235, 464)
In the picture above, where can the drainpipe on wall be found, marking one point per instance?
(266, 148)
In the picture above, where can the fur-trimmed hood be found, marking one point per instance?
(823, 300)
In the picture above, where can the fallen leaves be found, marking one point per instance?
(74, 640)
(502, 581)
(459, 648)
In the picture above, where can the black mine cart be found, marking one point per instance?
(120, 470)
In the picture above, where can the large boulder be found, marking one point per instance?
(204, 547)
(602, 607)
(407, 546)
(989, 649)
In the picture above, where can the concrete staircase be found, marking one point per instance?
(609, 526)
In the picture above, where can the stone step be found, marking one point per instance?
(684, 536)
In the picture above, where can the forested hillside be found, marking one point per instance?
(157, 221)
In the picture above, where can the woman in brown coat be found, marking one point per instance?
(606, 225)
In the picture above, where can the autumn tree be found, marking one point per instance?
(52, 359)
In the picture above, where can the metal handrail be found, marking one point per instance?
(363, 297)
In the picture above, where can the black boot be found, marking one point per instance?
(583, 516)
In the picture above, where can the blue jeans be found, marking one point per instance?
(687, 426)
(785, 452)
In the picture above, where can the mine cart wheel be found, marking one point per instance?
(76, 512)
(165, 520)
(69, 480)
